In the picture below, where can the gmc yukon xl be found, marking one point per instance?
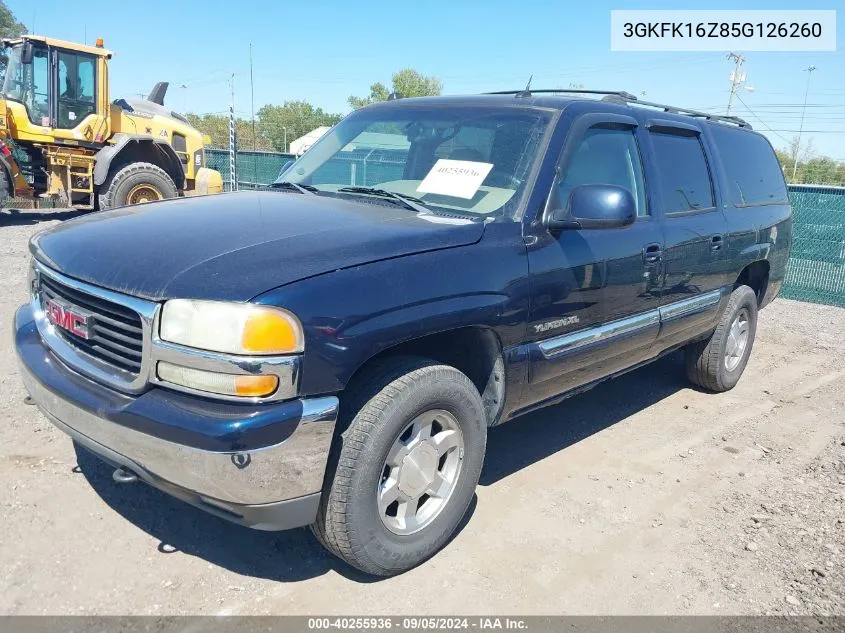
(332, 351)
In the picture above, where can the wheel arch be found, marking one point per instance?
(474, 350)
(129, 148)
(756, 276)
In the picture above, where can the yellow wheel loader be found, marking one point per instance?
(62, 139)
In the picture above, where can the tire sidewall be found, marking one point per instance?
(395, 552)
(127, 178)
(745, 298)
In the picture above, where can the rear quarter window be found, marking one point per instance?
(752, 171)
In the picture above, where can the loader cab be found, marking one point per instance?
(57, 91)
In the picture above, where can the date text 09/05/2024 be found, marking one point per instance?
(416, 623)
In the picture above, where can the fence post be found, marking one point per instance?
(233, 178)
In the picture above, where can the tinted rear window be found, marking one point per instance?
(684, 177)
(751, 168)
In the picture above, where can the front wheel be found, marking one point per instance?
(136, 183)
(405, 470)
(718, 362)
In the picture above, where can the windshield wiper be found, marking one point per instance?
(415, 204)
(285, 184)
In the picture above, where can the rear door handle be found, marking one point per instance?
(716, 242)
(652, 253)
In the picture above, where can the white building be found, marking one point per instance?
(298, 146)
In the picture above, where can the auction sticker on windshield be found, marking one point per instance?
(458, 178)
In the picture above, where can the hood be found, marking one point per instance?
(235, 246)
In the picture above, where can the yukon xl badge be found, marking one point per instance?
(553, 325)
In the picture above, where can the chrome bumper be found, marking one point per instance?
(227, 480)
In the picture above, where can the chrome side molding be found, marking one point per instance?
(687, 306)
(629, 325)
(560, 344)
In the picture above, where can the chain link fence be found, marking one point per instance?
(252, 169)
(816, 270)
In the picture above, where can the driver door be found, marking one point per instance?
(594, 292)
(78, 113)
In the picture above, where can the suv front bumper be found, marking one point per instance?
(258, 465)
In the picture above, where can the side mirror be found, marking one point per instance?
(595, 207)
(27, 52)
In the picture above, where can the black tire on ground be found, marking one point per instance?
(707, 362)
(378, 407)
(115, 191)
(5, 194)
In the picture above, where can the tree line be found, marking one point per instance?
(277, 125)
(802, 165)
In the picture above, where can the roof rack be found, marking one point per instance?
(620, 96)
(695, 113)
(529, 91)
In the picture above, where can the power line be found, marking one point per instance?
(763, 123)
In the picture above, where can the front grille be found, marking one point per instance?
(115, 333)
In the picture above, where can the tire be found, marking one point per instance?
(714, 363)
(379, 407)
(133, 178)
(5, 194)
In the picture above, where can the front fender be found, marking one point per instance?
(352, 314)
(123, 143)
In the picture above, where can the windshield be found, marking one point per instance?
(466, 159)
(29, 83)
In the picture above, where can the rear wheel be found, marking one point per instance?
(136, 183)
(717, 363)
(403, 473)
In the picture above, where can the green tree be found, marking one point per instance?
(9, 24)
(408, 82)
(811, 169)
(9, 27)
(216, 126)
(281, 124)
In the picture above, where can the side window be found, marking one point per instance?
(606, 157)
(751, 167)
(37, 93)
(684, 177)
(76, 88)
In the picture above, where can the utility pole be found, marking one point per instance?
(252, 96)
(809, 70)
(737, 77)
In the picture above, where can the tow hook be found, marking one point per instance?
(123, 476)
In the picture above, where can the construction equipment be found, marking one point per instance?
(63, 140)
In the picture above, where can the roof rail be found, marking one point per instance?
(620, 96)
(529, 91)
(695, 113)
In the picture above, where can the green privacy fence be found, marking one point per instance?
(817, 265)
(253, 169)
(816, 270)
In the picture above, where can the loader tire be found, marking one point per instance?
(5, 195)
(136, 183)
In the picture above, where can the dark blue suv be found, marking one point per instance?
(333, 351)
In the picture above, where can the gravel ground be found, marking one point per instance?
(643, 496)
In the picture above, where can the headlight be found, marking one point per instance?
(232, 328)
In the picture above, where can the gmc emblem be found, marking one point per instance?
(68, 318)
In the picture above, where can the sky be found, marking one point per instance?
(323, 51)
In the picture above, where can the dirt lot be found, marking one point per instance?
(642, 496)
